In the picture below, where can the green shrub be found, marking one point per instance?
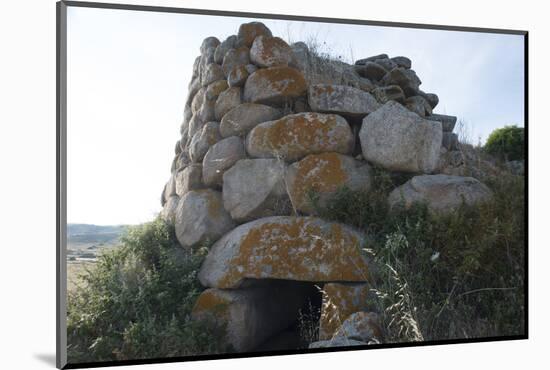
(136, 302)
(507, 143)
(446, 277)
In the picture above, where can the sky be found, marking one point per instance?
(128, 72)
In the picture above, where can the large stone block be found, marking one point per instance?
(274, 85)
(441, 193)
(270, 52)
(190, 178)
(399, 140)
(289, 248)
(243, 118)
(344, 100)
(220, 157)
(203, 140)
(323, 174)
(249, 31)
(226, 101)
(295, 136)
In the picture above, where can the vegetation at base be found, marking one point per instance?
(507, 143)
(136, 302)
(442, 277)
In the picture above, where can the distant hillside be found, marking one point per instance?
(93, 234)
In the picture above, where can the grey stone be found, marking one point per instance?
(207, 111)
(237, 76)
(195, 125)
(201, 218)
(208, 43)
(402, 62)
(418, 105)
(387, 64)
(244, 117)
(234, 58)
(170, 187)
(405, 78)
(221, 49)
(177, 148)
(450, 141)
(226, 101)
(447, 122)
(361, 326)
(432, 99)
(274, 85)
(255, 188)
(336, 342)
(399, 140)
(212, 73)
(198, 99)
(269, 51)
(220, 157)
(215, 89)
(371, 70)
(441, 193)
(371, 59)
(168, 212)
(203, 140)
(190, 178)
(324, 174)
(387, 93)
(343, 100)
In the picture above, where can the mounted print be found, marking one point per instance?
(235, 184)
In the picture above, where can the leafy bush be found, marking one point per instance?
(136, 302)
(443, 277)
(507, 143)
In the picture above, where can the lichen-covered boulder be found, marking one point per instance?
(203, 140)
(190, 178)
(322, 175)
(269, 51)
(243, 118)
(209, 43)
(251, 315)
(226, 101)
(221, 49)
(339, 99)
(340, 300)
(274, 85)
(168, 212)
(234, 58)
(295, 136)
(207, 111)
(215, 89)
(220, 157)
(361, 326)
(399, 140)
(386, 93)
(249, 31)
(441, 193)
(447, 122)
(405, 78)
(289, 248)
(201, 218)
(255, 188)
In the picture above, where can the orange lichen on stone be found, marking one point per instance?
(249, 31)
(210, 301)
(300, 249)
(321, 173)
(339, 302)
(275, 84)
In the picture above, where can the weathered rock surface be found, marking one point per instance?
(221, 156)
(361, 326)
(251, 315)
(201, 218)
(269, 51)
(295, 136)
(168, 212)
(289, 248)
(190, 178)
(371, 59)
(323, 174)
(255, 188)
(215, 89)
(223, 48)
(274, 85)
(226, 101)
(249, 31)
(371, 70)
(441, 193)
(450, 141)
(340, 300)
(203, 140)
(336, 342)
(344, 100)
(387, 93)
(418, 105)
(212, 73)
(243, 118)
(432, 99)
(237, 76)
(447, 122)
(399, 140)
(234, 58)
(403, 62)
(209, 43)
(404, 78)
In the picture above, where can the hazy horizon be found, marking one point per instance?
(128, 73)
